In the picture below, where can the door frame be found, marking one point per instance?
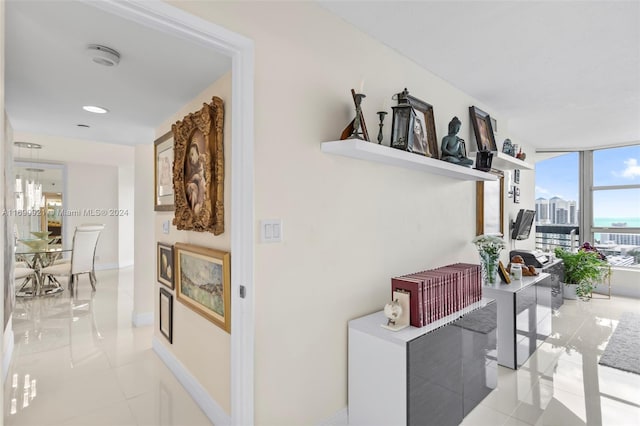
(167, 18)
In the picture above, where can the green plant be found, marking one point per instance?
(584, 269)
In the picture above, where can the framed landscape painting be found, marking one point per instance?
(203, 282)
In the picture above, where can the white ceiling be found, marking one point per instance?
(48, 76)
(566, 73)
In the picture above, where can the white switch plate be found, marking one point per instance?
(271, 231)
(165, 227)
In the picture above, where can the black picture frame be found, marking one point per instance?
(516, 195)
(165, 265)
(429, 122)
(165, 323)
(482, 130)
(516, 176)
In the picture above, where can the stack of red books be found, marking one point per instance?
(439, 292)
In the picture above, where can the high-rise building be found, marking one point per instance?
(542, 211)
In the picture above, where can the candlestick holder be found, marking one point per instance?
(357, 133)
(381, 115)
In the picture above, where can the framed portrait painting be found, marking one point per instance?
(165, 264)
(198, 170)
(482, 130)
(203, 282)
(166, 314)
(163, 170)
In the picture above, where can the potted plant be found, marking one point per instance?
(582, 272)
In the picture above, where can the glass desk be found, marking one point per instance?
(36, 259)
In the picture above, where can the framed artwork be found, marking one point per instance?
(490, 206)
(203, 282)
(482, 129)
(516, 195)
(516, 176)
(166, 314)
(504, 276)
(346, 133)
(163, 166)
(413, 129)
(165, 264)
(198, 170)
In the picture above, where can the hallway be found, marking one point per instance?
(79, 361)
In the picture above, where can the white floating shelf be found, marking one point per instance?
(369, 151)
(502, 161)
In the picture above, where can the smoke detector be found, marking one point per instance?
(103, 55)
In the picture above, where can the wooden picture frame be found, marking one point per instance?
(482, 129)
(426, 110)
(203, 282)
(504, 275)
(346, 133)
(490, 206)
(165, 323)
(198, 172)
(164, 263)
(163, 172)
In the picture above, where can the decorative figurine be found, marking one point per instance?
(453, 148)
(521, 155)
(397, 312)
(507, 147)
(381, 115)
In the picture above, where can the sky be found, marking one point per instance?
(618, 166)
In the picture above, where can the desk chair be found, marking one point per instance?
(85, 241)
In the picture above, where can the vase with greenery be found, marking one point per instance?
(582, 269)
(489, 247)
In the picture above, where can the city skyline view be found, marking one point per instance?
(559, 177)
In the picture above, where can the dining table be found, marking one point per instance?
(37, 258)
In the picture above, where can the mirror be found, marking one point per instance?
(490, 206)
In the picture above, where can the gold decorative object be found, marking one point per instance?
(198, 170)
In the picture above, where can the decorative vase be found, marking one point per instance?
(489, 268)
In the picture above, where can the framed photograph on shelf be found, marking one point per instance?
(481, 122)
(164, 270)
(166, 314)
(198, 171)
(203, 282)
(490, 206)
(163, 166)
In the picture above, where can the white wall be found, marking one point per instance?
(94, 188)
(349, 225)
(202, 347)
(4, 140)
(145, 246)
(126, 209)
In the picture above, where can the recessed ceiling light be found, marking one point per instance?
(95, 109)
(27, 145)
(103, 55)
(86, 126)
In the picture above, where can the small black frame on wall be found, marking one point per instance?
(166, 314)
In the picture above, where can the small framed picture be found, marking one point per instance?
(516, 176)
(504, 276)
(203, 282)
(165, 264)
(481, 123)
(516, 195)
(163, 167)
(166, 314)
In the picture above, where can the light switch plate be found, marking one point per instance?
(271, 231)
(165, 227)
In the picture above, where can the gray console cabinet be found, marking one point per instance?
(434, 375)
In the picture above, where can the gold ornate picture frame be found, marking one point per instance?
(198, 172)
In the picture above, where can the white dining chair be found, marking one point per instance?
(85, 241)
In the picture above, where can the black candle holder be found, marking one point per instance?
(381, 115)
(357, 133)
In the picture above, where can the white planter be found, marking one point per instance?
(569, 291)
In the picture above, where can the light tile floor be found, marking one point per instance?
(78, 361)
(550, 388)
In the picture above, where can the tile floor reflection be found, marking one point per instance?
(78, 361)
(562, 383)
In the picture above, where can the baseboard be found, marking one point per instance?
(142, 319)
(211, 408)
(105, 266)
(341, 418)
(7, 354)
